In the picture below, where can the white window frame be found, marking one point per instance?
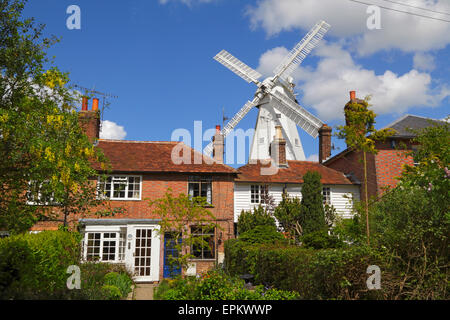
(120, 245)
(260, 188)
(118, 176)
(326, 195)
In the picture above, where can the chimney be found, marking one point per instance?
(90, 119)
(356, 105)
(218, 146)
(278, 148)
(324, 143)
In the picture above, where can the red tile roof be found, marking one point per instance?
(292, 174)
(154, 156)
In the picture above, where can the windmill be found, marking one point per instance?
(275, 100)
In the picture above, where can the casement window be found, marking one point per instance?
(258, 193)
(206, 249)
(120, 187)
(38, 193)
(104, 246)
(200, 187)
(326, 195)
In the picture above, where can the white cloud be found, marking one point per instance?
(349, 20)
(325, 88)
(424, 61)
(313, 157)
(111, 130)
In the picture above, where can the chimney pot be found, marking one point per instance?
(217, 128)
(352, 95)
(84, 104)
(94, 104)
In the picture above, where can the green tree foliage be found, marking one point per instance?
(413, 219)
(289, 215)
(312, 203)
(360, 134)
(262, 234)
(248, 220)
(178, 214)
(41, 141)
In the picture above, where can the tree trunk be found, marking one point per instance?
(366, 200)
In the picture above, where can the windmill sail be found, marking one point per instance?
(237, 66)
(301, 50)
(299, 115)
(233, 122)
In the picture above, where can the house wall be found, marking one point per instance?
(340, 197)
(154, 186)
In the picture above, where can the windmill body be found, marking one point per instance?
(269, 117)
(276, 101)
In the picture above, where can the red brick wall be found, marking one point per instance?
(154, 186)
(352, 163)
(389, 163)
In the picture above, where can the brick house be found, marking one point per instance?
(387, 165)
(144, 170)
(255, 180)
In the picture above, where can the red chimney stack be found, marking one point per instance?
(90, 119)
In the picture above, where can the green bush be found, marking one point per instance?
(34, 265)
(321, 240)
(249, 220)
(111, 292)
(314, 274)
(120, 280)
(262, 234)
(216, 285)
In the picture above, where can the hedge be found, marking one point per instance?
(314, 274)
(33, 266)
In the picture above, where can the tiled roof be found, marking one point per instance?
(405, 124)
(154, 156)
(292, 174)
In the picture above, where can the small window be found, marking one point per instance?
(105, 246)
(200, 187)
(279, 115)
(120, 187)
(261, 140)
(326, 195)
(205, 249)
(258, 193)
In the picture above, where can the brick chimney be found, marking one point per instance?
(278, 148)
(90, 119)
(324, 143)
(218, 146)
(355, 104)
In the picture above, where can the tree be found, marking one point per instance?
(178, 214)
(312, 203)
(248, 220)
(289, 215)
(42, 147)
(360, 134)
(412, 220)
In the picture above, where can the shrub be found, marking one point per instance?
(111, 292)
(120, 280)
(249, 220)
(321, 240)
(262, 234)
(312, 208)
(216, 285)
(313, 274)
(34, 265)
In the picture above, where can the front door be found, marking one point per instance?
(145, 253)
(171, 269)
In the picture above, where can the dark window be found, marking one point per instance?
(200, 187)
(204, 246)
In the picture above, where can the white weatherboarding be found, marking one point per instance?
(276, 101)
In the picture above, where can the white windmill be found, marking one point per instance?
(276, 101)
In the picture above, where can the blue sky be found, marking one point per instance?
(157, 56)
